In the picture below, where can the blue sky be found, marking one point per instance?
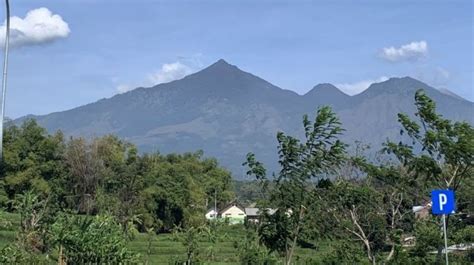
(96, 49)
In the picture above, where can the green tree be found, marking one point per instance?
(441, 152)
(301, 162)
(179, 188)
(32, 159)
(35, 213)
(251, 251)
(190, 237)
(78, 188)
(122, 180)
(91, 240)
(358, 211)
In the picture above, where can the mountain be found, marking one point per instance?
(450, 93)
(326, 94)
(227, 113)
(372, 114)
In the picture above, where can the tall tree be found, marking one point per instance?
(83, 176)
(32, 159)
(301, 163)
(441, 152)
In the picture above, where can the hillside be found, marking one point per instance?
(227, 113)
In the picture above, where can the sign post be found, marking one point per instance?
(443, 204)
(445, 239)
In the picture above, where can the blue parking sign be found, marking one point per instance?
(442, 202)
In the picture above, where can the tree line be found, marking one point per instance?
(48, 178)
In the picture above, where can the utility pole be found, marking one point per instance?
(215, 204)
(4, 81)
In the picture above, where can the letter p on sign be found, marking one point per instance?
(442, 202)
(443, 199)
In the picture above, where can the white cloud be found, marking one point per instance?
(169, 72)
(358, 87)
(39, 26)
(408, 52)
(122, 88)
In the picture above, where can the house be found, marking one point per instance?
(422, 211)
(457, 248)
(253, 214)
(409, 241)
(211, 214)
(233, 213)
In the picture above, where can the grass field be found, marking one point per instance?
(9, 223)
(164, 248)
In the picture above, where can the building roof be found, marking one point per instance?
(211, 210)
(231, 205)
(271, 211)
(252, 211)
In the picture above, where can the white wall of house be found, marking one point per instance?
(210, 215)
(233, 213)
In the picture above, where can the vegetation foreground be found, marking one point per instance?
(99, 201)
(168, 249)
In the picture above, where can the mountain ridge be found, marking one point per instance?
(227, 112)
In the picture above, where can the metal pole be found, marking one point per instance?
(215, 204)
(4, 81)
(445, 239)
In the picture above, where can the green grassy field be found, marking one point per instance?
(9, 223)
(164, 248)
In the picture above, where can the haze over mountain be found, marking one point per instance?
(227, 113)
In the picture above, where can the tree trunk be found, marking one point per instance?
(61, 260)
(369, 252)
(295, 238)
(392, 252)
(293, 245)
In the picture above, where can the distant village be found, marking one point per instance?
(234, 213)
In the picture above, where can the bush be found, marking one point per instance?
(96, 240)
(11, 254)
(345, 253)
(252, 252)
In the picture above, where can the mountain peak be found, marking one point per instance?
(222, 64)
(220, 71)
(404, 80)
(395, 85)
(222, 61)
(325, 89)
(326, 94)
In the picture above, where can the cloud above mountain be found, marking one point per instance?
(359, 86)
(407, 52)
(167, 73)
(170, 72)
(37, 27)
